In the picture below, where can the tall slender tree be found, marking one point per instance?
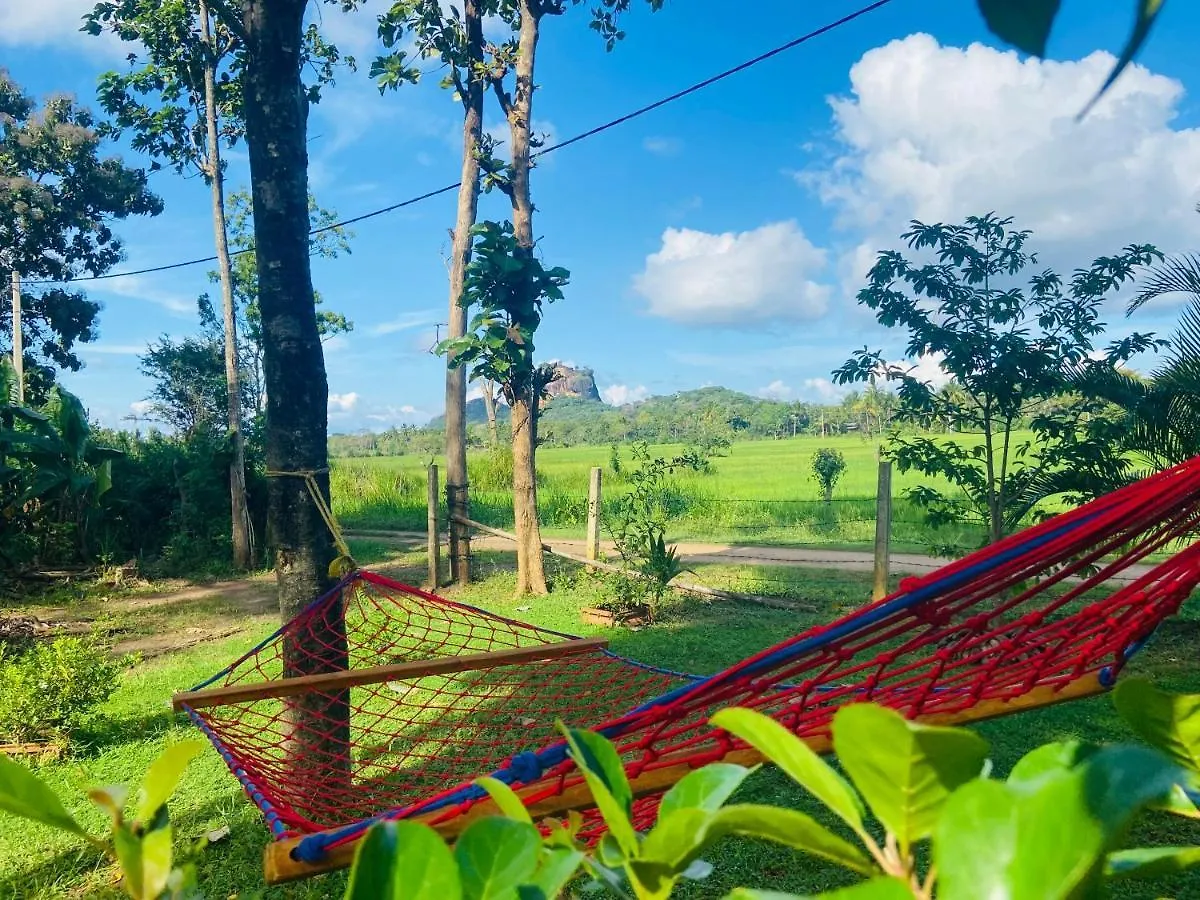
(183, 104)
(329, 241)
(457, 40)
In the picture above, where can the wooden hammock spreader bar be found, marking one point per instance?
(331, 681)
(279, 866)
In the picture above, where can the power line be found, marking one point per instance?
(592, 132)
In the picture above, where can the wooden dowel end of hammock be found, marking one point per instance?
(332, 681)
(279, 866)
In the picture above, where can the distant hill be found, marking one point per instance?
(569, 420)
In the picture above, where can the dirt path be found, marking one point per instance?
(736, 554)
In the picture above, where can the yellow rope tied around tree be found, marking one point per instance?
(344, 564)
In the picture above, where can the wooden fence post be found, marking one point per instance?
(593, 515)
(434, 537)
(883, 530)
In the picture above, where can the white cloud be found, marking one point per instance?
(387, 416)
(404, 322)
(926, 368)
(112, 349)
(622, 394)
(49, 23)
(822, 390)
(141, 407)
(938, 133)
(335, 344)
(499, 132)
(734, 278)
(776, 390)
(343, 404)
(356, 34)
(139, 287)
(662, 146)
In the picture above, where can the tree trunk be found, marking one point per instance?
(276, 112)
(457, 497)
(243, 548)
(531, 574)
(489, 404)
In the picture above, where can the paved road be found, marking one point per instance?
(731, 554)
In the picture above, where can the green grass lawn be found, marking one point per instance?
(761, 492)
(698, 636)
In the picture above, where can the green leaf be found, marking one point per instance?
(1151, 862)
(1023, 23)
(163, 776)
(1178, 803)
(706, 788)
(505, 798)
(904, 771)
(156, 858)
(790, 828)
(875, 889)
(557, 867)
(24, 794)
(1044, 839)
(111, 799)
(128, 850)
(1049, 759)
(495, 856)
(403, 861)
(601, 766)
(975, 841)
(676, 838)
(1169, 722)
(1147, 14)
(796, 759)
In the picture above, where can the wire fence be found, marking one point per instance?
(742, 532)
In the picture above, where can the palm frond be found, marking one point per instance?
(1177, 275)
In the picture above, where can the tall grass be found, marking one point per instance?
(751, 497)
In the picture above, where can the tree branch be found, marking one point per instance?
(230, 17)
(502, 96)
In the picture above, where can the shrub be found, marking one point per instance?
(828, 466)
(50, 690)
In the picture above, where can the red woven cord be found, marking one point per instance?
(1044, 618)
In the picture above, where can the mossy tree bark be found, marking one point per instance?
(276, 112)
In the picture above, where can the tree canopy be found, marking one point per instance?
(58, 197)
(1008, 340)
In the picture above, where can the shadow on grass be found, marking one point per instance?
(107, 731)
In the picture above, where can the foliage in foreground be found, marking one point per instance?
(1052, 829)
(142, 845)
(923, 817)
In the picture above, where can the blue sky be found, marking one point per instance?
(719, 240)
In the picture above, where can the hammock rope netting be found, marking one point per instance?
(1035, 615)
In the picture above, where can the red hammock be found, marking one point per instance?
(438, 693)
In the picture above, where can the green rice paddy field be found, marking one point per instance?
(760, 492)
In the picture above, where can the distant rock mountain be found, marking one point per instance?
(571, 382)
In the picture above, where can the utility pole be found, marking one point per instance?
(18, 352)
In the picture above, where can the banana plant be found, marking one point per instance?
(49, 466)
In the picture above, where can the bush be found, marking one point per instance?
(49, 690)
(828, 466)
